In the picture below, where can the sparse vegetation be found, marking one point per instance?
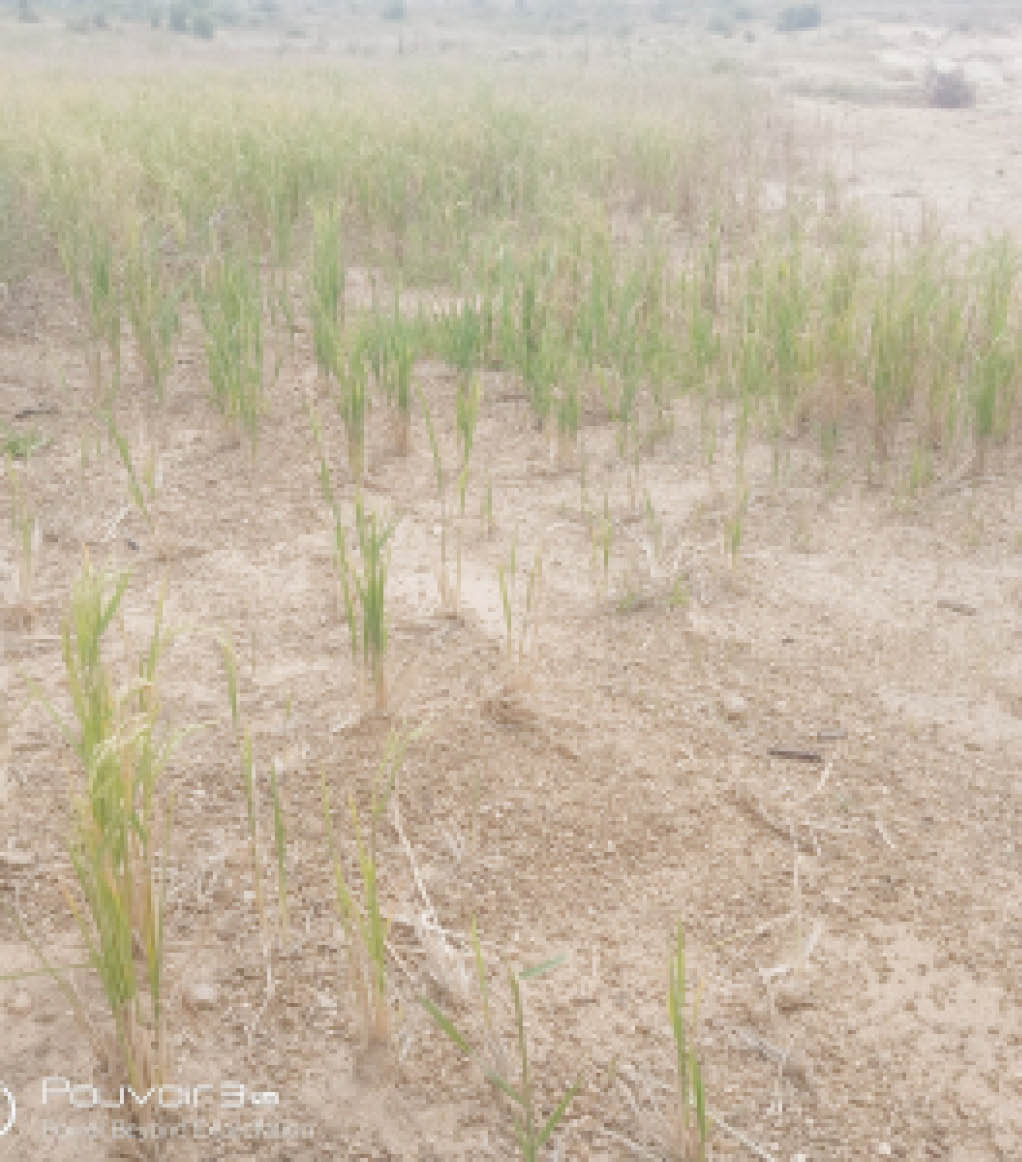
(640, 284)
(532, 1131)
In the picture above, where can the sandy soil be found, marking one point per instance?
(853, 918)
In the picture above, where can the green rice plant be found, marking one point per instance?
(373, 538)
(403, 357)
(531, 1130)
(353, 401)
(327, 291)
(135, 485)
(248, 778)
(229, 297)
(995, 370)
(693, 1118)
(121, 829)
(153, 308)
(95, 282)
(736, 522)
(533, 591)
(365, 924)
(468, 400)
(506, 581)
(448, 598)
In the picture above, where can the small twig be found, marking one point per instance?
(961, 607)
(800, 756)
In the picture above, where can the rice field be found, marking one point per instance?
(511, 587)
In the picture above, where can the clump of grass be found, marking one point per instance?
(531, 1130)
(693, 1119)
(19, 445)
(121, 830)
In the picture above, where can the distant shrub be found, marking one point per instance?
(395, 10)
(203, 26)
(798, 17)
(719, 25)
(226, 14)
(177, 17)
(948, 89)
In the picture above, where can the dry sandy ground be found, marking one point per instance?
(853, 924)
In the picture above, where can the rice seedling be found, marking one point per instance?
(249, 782)
(506, 581)
(141, 498)
(531, 1130)
(448, 598)
(373, 537)
(736, 522)
(153, 308)
(693, 1118)
(603, 540)
(121, 831)
(327, 291)
(95, 281)
(342, 567)
(994, 375)
(403, 359)
(363, 589)
(468, 400)
(353, 402)
(229, 297)
(364, 923)
(533, 591)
